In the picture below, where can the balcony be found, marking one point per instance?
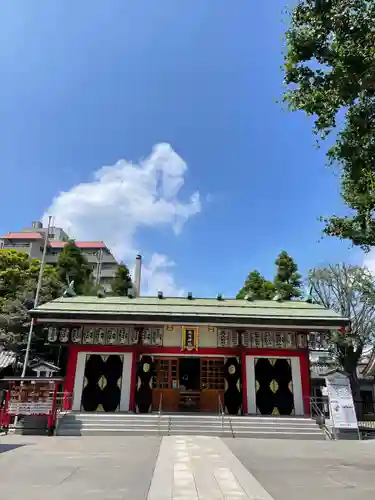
(108, 273)
(94, 259)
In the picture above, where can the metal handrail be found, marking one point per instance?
(63, 399)
(160, 410)
(315, 408)
(231, 426)
(221, 412)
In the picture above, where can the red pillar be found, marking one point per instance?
(305, 381)
(70, 376)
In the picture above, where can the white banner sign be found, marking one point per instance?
(36, 408)
(341, 402)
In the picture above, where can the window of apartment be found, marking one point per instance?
(108, 265)
(24, 244)
(53, 251)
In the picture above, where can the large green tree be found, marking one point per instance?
(288, 281)
(72, 265)
(330, 75)
(16, 270)
(350, 291)
(122, 281)
(257, 287)
(18, 282)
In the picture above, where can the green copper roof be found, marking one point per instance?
(177, 309)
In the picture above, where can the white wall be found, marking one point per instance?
(206, 338)
(172, 336)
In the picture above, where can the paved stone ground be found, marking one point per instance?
(185, 468)
(77, 468)
(201, 468)
(308, 470)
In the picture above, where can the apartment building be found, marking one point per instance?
(31, 241)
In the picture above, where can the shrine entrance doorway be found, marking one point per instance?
(188, 383)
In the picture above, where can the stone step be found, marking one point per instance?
(110, 419)
(113, 424)
(109, 431)
(281, 435)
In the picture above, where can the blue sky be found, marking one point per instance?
(86, 84)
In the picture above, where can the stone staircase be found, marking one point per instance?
(122, 424)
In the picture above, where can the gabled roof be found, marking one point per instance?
(22, 236)
(184, 310)
(47, 364)
(7, 358)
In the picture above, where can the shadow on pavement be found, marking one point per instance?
(9, 447)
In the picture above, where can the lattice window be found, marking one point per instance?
(174, 379)
(212, 374)
(166, 374)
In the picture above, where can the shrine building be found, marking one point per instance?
(183, 354)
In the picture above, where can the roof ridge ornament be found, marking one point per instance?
(69, 290)
(249, 296)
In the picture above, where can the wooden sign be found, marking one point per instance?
(189, 341)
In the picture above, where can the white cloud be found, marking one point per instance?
(123, 198)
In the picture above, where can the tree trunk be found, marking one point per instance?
(354, 384)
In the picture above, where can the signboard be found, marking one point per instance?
(341, 402)
(103, 335)
(28, 396)
(189, 341)
(16, 408)
(267, 339)
(31, 398)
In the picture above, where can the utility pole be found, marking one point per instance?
(36, 300)
(99, 266)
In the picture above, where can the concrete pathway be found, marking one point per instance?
(197, 467)
(152, 468)
(78, 468)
